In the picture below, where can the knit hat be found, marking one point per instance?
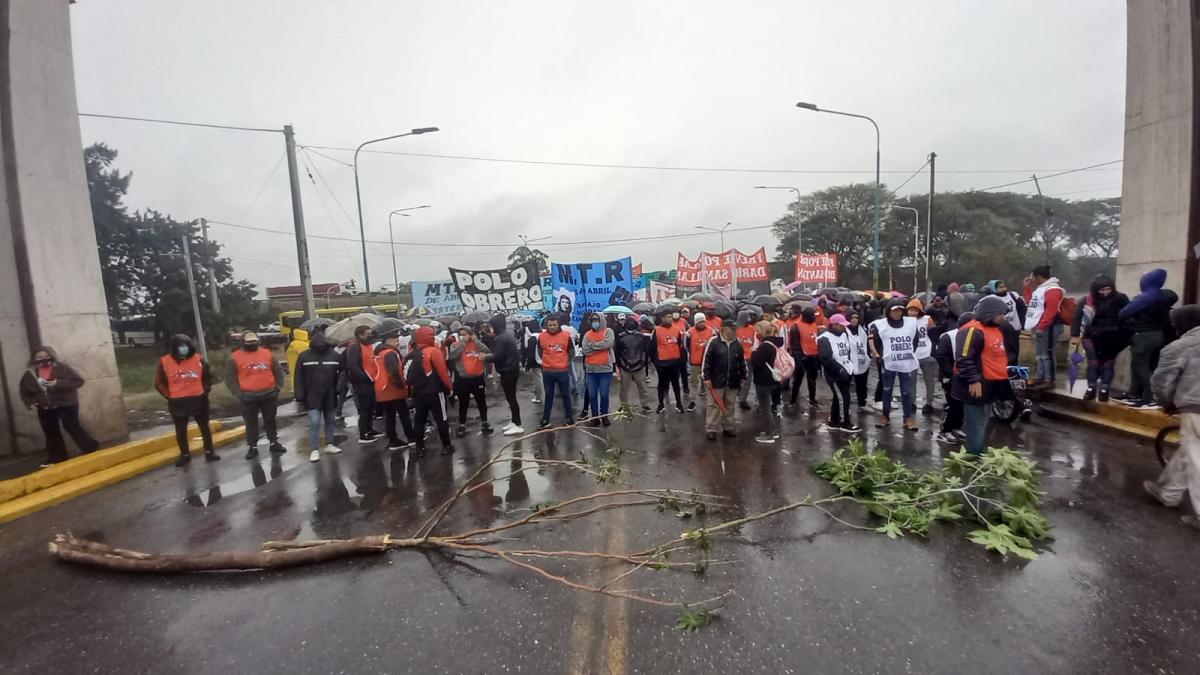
(915, 302)
(699, 316)
(989, 308)
(839, 320)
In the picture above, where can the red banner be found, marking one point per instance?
(637, 270)
(716, 268)
(817, 268)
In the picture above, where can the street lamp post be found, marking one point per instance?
(392, 250)
(362, 231)
(799, 225)
(704, 269)
(813, 107)
(916, 242)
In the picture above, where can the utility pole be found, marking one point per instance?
(929, 223)
(187, 263)
(306, 288)
(212, 277)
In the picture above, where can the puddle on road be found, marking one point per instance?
(258, 477)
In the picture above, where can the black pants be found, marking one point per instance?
(464, 389)
(364, 400)
(954, 413)
(879, 381)
(250, 412)
(669, 373)
(508, 382)
(860, 387)
(809, 366)
(431, 406)
(181, 424)
(839, 407)
(392, 410)
(68, 416)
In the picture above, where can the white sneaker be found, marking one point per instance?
(514, 430)
(332, 450)
(506, 427)
(314, 456)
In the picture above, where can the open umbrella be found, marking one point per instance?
(319, 322)
(672, 301)
(702, 298)
(723, 309)
(617, 309)
(475, 318)
(690, 304)
(418, 311)
(666, 308)
(644, 308)
(389, 325)
(765, 301)
(447, 319)
(1073, 371)
(343, 331)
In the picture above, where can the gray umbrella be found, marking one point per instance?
(389, 325)
(314, 323)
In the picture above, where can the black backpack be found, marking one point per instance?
(415, 376)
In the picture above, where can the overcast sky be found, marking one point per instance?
(1011, 86)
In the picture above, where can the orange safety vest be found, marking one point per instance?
(555, 350)
(367, 359)
(808, 337)
(472, 360)
(746, 335)
(715, 322)
(697, 341)
(254, 372)
(994, 357)
(598, 358)
(184, 378)
(385, 389)
(668, 341)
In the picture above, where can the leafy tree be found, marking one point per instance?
(523, 254)
(839, 219)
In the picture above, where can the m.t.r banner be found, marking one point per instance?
(581, 288)
(722, 269)
(817, 268)
(439, 297)
(503, 291)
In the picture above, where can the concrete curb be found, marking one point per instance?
(80, 475)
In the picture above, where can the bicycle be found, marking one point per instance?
(1009, 409)
(1166, 442)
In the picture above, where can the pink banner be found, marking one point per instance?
(717, 268)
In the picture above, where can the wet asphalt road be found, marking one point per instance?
(1115, 591)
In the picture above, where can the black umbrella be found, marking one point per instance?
(828, 291)
(665, 309)
(702, 298)
(447, 319)
(320, 322)
(690, 304)
(389, 325)
(848, 298)
(644, 308)
(765, 301)
(723, 309)
(801, 297)
(475, 318)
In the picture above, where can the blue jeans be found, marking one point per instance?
(598, 386)
(975, 424)
(1043, 347)
(314, 427)
(562, 380)
(908, 392)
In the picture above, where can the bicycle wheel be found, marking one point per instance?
(1165, 443)
(1006, 411)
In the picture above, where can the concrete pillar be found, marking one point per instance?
(50, 286)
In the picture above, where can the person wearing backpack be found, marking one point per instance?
(428, 380)
(783, 364)
(766, 380)
(1097, 325)
(1044, 296)
(839, 361)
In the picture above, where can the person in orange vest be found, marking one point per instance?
(428, 380)
(391, 391)
(360, 356)
(470, 356)
(748, 339)
(982, 363)
(254, 377)
(802, 343)
(666, 348)
(183, 378)
(598, 362)
(698, 337)
(556, 349)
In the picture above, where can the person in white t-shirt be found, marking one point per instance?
(924, 351)
(894, 340)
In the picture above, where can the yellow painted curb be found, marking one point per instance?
(85, 465)
(65, 491)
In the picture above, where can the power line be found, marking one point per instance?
(258, 194)
(906, 181)
(182, 124)
(1053, 175)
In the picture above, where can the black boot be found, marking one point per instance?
(1090, 394)
(183, 460)
(211, 456)
(1104, 394)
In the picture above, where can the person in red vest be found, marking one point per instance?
(749, 339)
(183, 378)
(391, 391)
(802, 343)
(254, 377)
(470, 356)
(666, 348)
(360, 362)
(428, 380)
(555, 348)
(982, 363)
(698, 337)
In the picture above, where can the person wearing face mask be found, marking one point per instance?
(469, 356)
(52, 387)
(839, 362)
(391, 391)
(555, 350)
(857, 334)
(183, 378)
(319, 378)
(632, 352)
(254, 377)
(1097, 325)
(598, 360)
(360, 363)
(667, 352)
(982, 362)
(698, 337)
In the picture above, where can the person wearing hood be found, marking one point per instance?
(924, 351)
(533, 363)
(428, 381)
(183, 378)
(360, 360)
(666, 348)
(982, 362)
(1097, 325)
(746, 335)
(1148, 316)
(839, 362)
(697, 338)
(555, 351)
(632, 351)
(894, 340)
(1044, 295)
(1013, 302)
(802, 343)
(598, 362)
(469, 357)
(52, 387)
(764, 374)
(319, 379)
(951, 431)
(506, 359)
(857, 334)
(254, 377)
(723, 368)
(1176, 384)
(955, 300)
(391, 391)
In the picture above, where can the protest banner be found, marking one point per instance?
(581, 288)
(503, 291)
(439, 297)
(817, 268)
(547, 294)
(637, 270)
(657, 292)
(722, 269)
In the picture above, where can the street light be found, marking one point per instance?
(704, 270)
(392, 249)
(720, 231)
(813, 107)
(362, 231)
(916, 241)
(799, 225)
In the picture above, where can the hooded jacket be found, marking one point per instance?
(944, 352)
(160, 376)
(436, 379)
(318, 370)
(357, 356)
(1150, 310)
(1105, 322)
(1176, 381)
(506, 353)
(64, 393)
(456, 356)
(595, 347)
(632, 348)
(980, 355)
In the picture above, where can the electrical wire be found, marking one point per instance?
(182, 124)
(258, 194)
(906, 181)
(1053, 175)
